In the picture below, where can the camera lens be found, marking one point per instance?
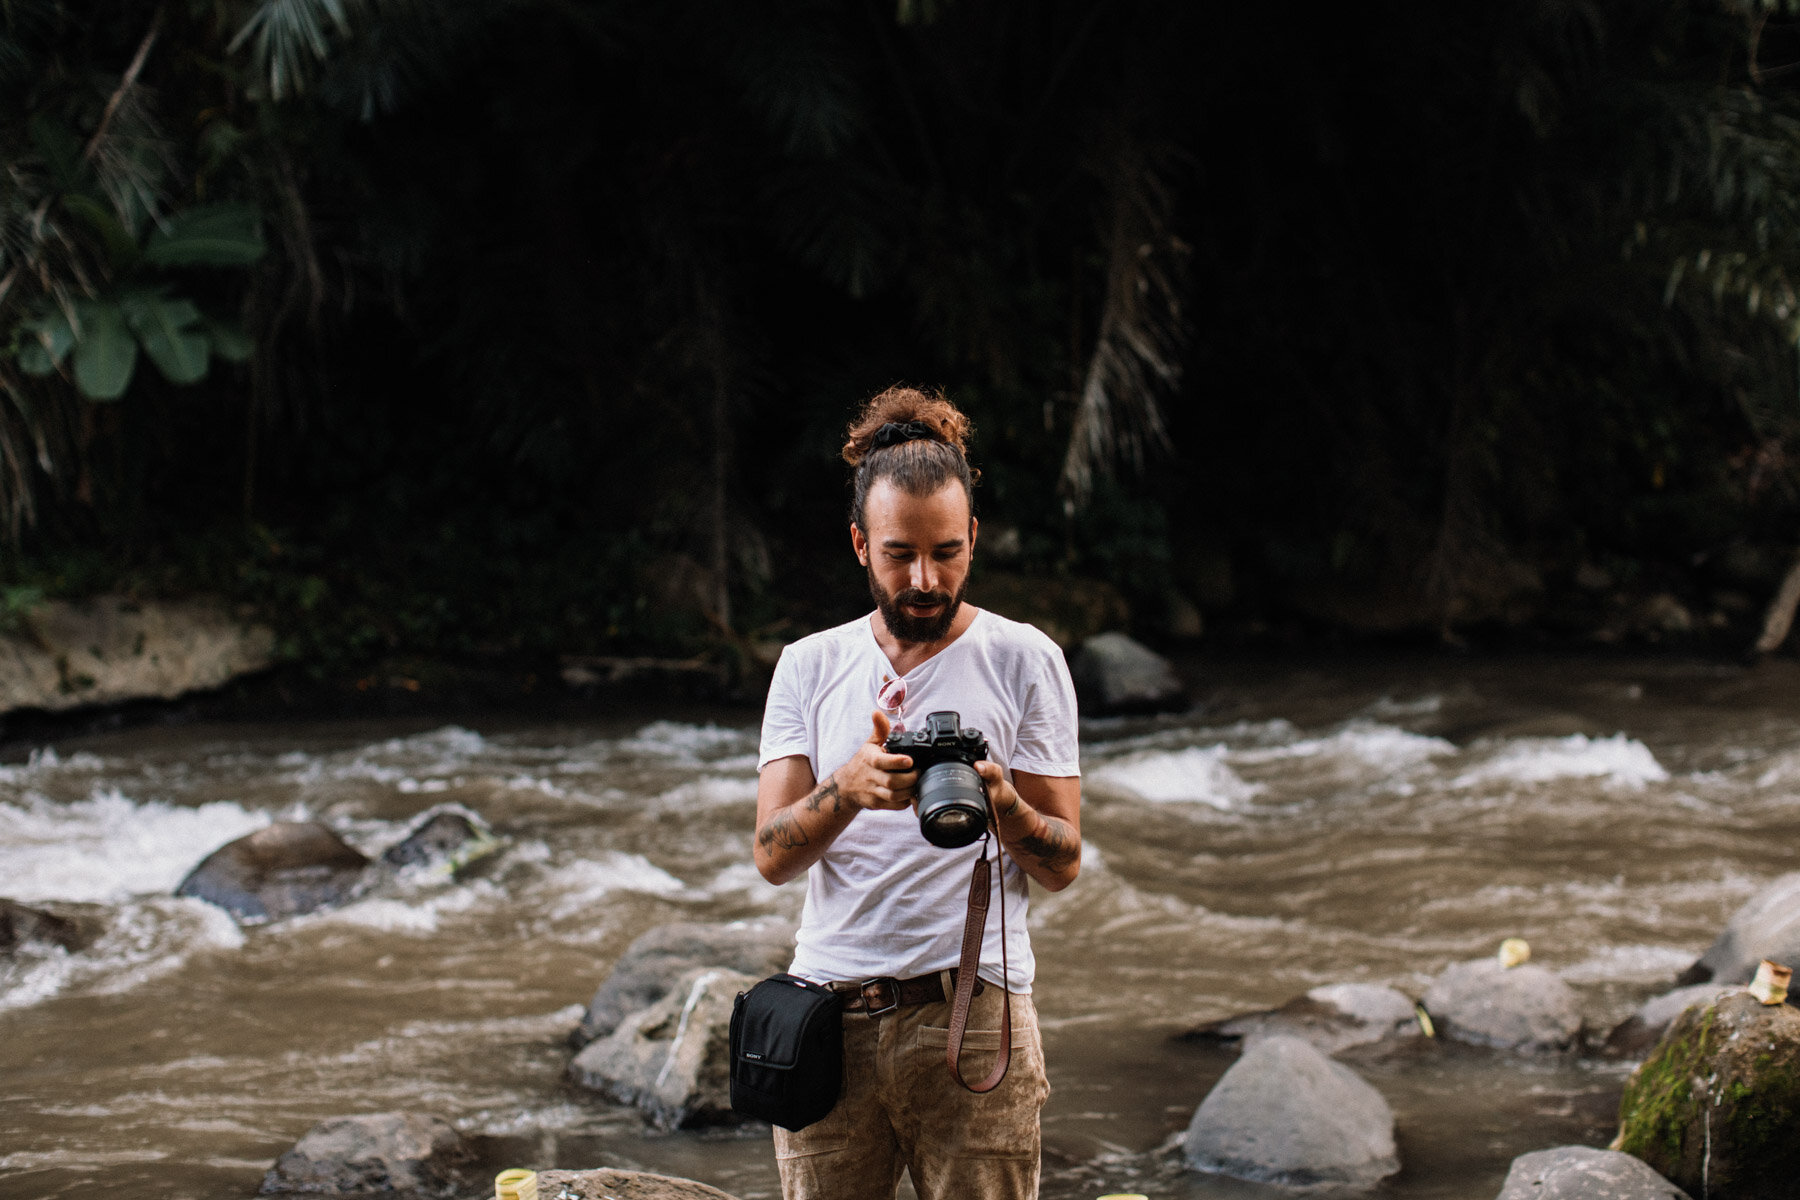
(953, 808)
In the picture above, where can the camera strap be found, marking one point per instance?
(974, 929)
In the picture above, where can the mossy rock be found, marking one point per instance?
(1715, 1107)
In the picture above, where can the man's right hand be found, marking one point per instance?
(873, 778)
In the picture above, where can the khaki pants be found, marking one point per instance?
(902, 1110)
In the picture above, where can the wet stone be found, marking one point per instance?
(441, 837)
(1286, 1114)
(1767, 926)
(1639, 1032)
(1526, 1008)
(607, 1184)
(1332, 1018)
(414, 1153)
(21, 924)
(659, 958)
(672, 1061)
(1113, 673)
(281, 870)
(1584, 1173)
(1715, 1106)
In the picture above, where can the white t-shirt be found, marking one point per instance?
(883, 901)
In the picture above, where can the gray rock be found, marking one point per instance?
(671, 1060)
(1115, 674)
(1584, 1173)
(383, 1152)
(1331, 1018)
(110, 649)
(1767, 926)
(653, 963)
(281, 870)
(20, 924)
(1644, 1028)
(446, 836)
(1286, 1114)
(608, 1184)
(1526, 1007)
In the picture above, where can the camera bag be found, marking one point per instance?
(787, 1051)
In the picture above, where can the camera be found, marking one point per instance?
(953, 806)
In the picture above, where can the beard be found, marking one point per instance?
(904, 626)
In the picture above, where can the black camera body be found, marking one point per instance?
(953, 805)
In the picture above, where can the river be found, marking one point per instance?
(1348, 819)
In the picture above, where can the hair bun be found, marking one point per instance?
(917, 414)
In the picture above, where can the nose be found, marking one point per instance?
(924, 574)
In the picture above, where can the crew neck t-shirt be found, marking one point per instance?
(883, 901)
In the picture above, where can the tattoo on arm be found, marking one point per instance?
(825, 791)
(1053, 846)
(782, 830)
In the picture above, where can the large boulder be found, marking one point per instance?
(1286, 1114)
(608, 1184)
(382, 1152)
(1526, 1007)
(653, 963)
(1584, 1173)
(1332, 1018)
(1716, 1107)
(1112, 673)
(20, 924)
(281, 870)
(111, 649)
(1066, 610)
(1767, 926)
(1638, 1034)
(672, 1060)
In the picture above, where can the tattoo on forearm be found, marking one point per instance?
(825, 791)
(1054, 845)
(782, 830)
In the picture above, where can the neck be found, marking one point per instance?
(904, 656)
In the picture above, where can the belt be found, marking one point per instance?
(877, 996)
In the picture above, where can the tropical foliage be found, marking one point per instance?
(499, 324)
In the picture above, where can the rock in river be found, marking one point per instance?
(1584, 1173)
(1716, 1106)
(1286, 1114)
(447, 836)
(671, 1060)
(1115, 674)
(1332, 1018)
(20, 924)
(281, 870)
(1767, 926)
(608, 1184)
(382, 1152)
(1510, 1008)
(1635, 1036)
(653, 963)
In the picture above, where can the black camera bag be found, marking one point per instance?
(787, 1051)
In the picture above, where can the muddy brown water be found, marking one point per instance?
(1360, 820)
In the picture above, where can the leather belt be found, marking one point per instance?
(877, 996)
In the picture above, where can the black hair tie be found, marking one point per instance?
(895, 432)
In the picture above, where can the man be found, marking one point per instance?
(884, 913)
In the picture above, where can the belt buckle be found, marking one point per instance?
(869, 1005)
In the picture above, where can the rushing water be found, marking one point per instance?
(1360, 820)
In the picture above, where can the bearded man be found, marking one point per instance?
(884, 914)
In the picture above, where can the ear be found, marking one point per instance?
(859, 542)
(974, 528)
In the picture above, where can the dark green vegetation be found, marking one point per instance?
(1715, 1105)
(509, 327)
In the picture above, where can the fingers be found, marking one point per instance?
(881, 723)
(990, 772)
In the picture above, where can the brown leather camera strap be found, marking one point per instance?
(974, 928)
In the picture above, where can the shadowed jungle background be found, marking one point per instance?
(520, 327)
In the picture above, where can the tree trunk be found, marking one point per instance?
(1780, 617)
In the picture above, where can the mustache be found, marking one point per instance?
(915, 596)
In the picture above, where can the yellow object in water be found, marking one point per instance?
(516, 1184)
(1425, 1025)
(1514, 951)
